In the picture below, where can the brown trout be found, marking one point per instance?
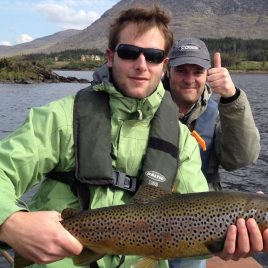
(166, 226)
(160, 225)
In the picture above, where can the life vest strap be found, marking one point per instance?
(120, 179)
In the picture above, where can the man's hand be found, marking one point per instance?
(243, 239)
(220, 79)
(39, 236)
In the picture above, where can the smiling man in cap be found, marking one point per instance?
(226, 131)
(190, 51)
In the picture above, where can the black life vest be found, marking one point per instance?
(92, 143)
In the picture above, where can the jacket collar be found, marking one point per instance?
(145, 108)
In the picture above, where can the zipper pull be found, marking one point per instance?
(140, 114)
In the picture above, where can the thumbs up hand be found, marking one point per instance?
(220, 79)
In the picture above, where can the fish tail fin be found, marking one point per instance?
(145, 263)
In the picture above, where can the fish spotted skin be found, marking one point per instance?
(169, 226)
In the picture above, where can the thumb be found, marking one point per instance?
(74, 246)
(217, 60)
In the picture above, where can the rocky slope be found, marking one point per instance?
(22, 71)
(244, 19)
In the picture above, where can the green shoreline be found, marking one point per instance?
(20, 70)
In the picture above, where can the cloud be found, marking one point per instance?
(23, 38)
(5, 43)
(67, 17)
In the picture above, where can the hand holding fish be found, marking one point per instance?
(220, 79)
(39, 236)
(243, 239)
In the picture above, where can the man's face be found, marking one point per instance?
(187, 83)
(137, 78)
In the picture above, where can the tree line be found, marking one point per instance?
(70, 54)
(235, 50)
(237, 54)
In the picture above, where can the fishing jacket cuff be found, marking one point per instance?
(232, 98)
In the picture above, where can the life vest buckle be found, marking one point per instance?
(123, 181)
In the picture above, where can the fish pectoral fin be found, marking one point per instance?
(148, 193)
(145, 263)
(86, 257)
(21, 262)
(215, 246)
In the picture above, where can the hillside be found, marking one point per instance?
(38, 45)
(244, 19)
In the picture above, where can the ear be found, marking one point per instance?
(165, 66)
(110, 56)
(165, 61)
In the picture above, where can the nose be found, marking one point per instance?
(189, 77)
(141, 63)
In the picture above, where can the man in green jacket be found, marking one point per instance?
(228, 128)
(139, 42)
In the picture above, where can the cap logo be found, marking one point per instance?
(189, 47)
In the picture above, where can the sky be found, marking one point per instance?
(24, 20)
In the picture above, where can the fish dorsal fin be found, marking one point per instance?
(148, 193)
(69, 212)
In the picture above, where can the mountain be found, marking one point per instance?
(38, 45)
(246, 19)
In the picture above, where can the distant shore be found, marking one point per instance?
(21, 71)
(248, 71)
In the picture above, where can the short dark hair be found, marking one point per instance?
(144, 18)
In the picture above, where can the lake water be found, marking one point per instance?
(253, 177)
(16, 100)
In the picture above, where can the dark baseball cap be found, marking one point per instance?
(189, 51)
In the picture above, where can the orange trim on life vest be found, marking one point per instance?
(200, 140)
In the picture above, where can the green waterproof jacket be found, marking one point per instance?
(45, 142)
(237, 139)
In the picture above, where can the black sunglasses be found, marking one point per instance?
(130, 52)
